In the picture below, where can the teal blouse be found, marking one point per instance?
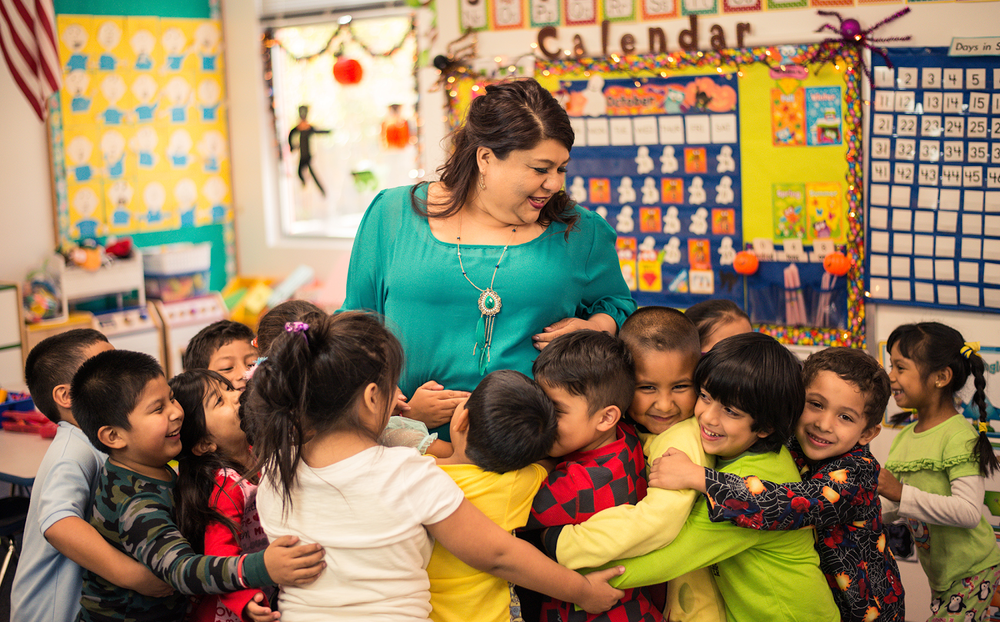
(400, 270)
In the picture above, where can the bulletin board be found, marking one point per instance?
(138, 132)
(693, 157)
(934, 176)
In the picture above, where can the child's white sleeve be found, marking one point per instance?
(961, 509)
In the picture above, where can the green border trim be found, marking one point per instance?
(165, 8)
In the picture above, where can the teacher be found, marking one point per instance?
(480, 270)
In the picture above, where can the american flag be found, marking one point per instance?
(28, 43)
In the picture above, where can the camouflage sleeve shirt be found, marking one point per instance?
(135, 514)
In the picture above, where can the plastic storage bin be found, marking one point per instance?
(177, 271)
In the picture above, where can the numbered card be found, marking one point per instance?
(881, 172)
(951, 176)
(929, 177)
(906, 78)
(903, 173)
(881, 148)
(954, 127)
(995, 106)
(930, 150)
(954, 151)
(884, 78)
(930, 125)
(977, 128)
(906, 125)
(972, 177)
(764, 249)
(975, 79)
(906, 148)
(905, 101)
(979, 103)
(995, 153)
(885, 101)
(702, 282)
(882, 124)
(952, 79)
(933, 102)
(953, 102)
(930, 77)
(993, 181)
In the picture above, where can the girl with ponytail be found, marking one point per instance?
(935, 474)
(318, 404)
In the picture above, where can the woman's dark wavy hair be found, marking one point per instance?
(934, 347)
(515, 115)
(196, 483)
(311, 383)
(761, 377)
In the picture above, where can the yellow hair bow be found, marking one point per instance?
(970, 348)
(984, 427)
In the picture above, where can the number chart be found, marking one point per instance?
(934, 181)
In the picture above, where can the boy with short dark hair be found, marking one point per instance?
(226, 347)
(499, 434)
(123, 403)
(58, 540)
(846, 394)
(590, 376)
(665, 346)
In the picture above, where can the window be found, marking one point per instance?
(344, 132)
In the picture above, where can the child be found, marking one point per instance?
(124, 405)
(744, 420)
(505, 427)
(590, 376)
(58, 540)
(716, 320)
(941, 463)
(325, 392)
(846, 394)
(273, 322)
(225, 347)
(216, 507)
(664, 344)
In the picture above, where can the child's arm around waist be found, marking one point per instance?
(476, 540)
(843, 490)
(632, 530)
(149, 534)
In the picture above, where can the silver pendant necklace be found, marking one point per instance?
(489, 304)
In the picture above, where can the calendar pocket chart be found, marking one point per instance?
(934, 181)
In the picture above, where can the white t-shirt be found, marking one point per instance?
(368, 512)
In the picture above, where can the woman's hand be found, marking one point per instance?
(888, 486)
(256, 611)
(599, 321)
(433, 404)
(400, 407)
(288, 564)
(675, 471)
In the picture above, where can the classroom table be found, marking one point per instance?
(20, 455)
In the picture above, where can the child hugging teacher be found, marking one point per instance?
(481, 269)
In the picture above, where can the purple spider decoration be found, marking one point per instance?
(851, 35)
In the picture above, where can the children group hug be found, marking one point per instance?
(686, 450)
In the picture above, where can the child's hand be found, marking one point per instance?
(888, 486)
(288, 564)
(147, 584)
(434, 405)
(601, 596)
(400, 406)
(256, 611)
(675, 471)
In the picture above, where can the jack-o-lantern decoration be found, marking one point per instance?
(347, 71)
(837, 263)
(746, 263)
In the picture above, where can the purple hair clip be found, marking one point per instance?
(296, 327)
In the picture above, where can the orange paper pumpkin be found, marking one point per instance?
(837, 263)
(347, 71)
(746, 263)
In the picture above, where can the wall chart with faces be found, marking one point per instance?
(934, 181)
(659, 160)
